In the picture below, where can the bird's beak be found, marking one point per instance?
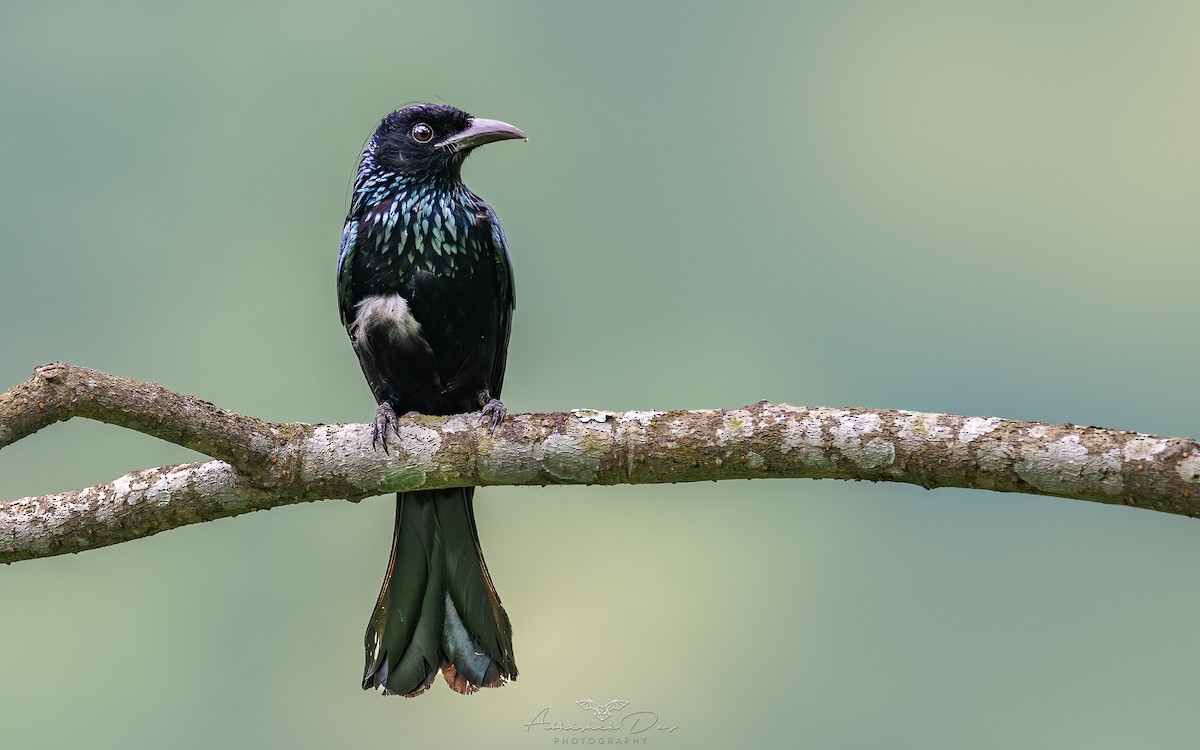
(481, 131)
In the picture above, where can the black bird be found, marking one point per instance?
(425, 289)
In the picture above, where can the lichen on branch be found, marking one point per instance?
(261, 465)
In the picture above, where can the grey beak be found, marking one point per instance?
(481, 131)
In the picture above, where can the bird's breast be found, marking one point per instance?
(424, 231)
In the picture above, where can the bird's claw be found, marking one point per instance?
(384, 422)
(493, 412)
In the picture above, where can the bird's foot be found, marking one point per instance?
(493, 412)
(384, 422)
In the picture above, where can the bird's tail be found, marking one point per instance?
(438, 608)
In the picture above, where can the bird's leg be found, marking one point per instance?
(493, 410)
(384, 422)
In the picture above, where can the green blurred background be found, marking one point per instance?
(982, 208)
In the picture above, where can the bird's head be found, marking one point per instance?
(432, 140)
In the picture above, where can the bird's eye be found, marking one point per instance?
(422, 133)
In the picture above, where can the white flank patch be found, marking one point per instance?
(386, 310)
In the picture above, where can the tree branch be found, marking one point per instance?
(263, 465)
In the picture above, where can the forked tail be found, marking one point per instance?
(438, 608)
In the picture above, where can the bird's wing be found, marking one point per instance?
(508, 299)
(345, 258)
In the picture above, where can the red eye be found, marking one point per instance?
(422, 133)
